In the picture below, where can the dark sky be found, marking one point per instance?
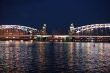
(57, 14)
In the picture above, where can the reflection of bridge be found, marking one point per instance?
(95, 32)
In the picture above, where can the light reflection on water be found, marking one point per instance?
(45, 57)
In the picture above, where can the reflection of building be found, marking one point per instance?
(11, 58)
(70, 56)
(41, 56)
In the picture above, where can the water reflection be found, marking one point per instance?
(56, 57)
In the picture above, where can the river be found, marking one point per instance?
(54, 57)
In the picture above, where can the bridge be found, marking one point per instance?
(92, 32)
(18, 32)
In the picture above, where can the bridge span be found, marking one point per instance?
(55, 38)
(95, 32)
(51, 36)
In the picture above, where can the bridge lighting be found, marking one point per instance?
(13, 37)
(30, 32)
(17, 31)
(31, 41)
(10, 41)
(92, 29)
(7, 42)
(6, 37)
(21, 41)
(35, 37)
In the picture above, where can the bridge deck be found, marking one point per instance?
(62, 36)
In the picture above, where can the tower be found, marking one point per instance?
(72, 29)
(44, 29)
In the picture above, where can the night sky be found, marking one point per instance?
(57, 14)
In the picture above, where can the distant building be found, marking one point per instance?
(42, 31)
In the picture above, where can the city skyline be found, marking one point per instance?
(71, 28)
(54, 36)
(54, 13)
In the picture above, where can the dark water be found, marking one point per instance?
(71, 57)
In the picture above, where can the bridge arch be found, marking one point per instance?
(93, 28)
(24, 28)
(15, 30)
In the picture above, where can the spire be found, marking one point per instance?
(71, 27)
(44, 25)
(44, 29)
(71, 24)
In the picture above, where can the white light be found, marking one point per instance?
(13, 37)
(25, 28)
(21, 41)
